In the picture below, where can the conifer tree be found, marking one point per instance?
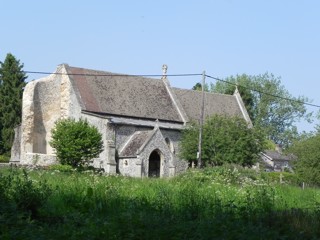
(12, 82)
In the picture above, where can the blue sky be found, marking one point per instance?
(222, 37)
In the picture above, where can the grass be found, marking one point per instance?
(219, 203)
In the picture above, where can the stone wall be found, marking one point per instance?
(41, 108)
(174, 137)
(124, 132)
(44, 102)
(106, 158)
(39, 159)
(130, 167)
(16, 147)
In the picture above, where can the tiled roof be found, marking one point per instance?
(275, 155)
(123, 95)
(134, 144)
(144, 98)
(214, 104)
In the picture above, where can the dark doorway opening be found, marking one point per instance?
(154, 164)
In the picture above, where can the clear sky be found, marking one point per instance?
(222, 37)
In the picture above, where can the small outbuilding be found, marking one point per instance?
(275, 160)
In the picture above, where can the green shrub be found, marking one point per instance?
(226, 140)
(289, 178)
(4, 159)
(23, 193)
(29, 195)
(307, 164)
(61, 168)
(76, 142)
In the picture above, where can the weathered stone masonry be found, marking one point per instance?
(140, 119)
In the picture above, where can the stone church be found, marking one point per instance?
(140, 118)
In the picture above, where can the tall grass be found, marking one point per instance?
(217, 203)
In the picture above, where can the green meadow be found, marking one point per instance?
(213, 203)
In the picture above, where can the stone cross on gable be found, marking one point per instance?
(164, 71)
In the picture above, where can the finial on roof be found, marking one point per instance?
(164, 71)
(157, 124)
(236, 90)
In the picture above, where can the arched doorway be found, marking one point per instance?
(154, 164)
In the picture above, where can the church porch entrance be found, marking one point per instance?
(154, 164)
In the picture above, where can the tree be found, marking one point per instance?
(198, 87)
(266, 100)
(225, 140)
(76, 142)
(12, 82)
(307, 165)
(241, 81)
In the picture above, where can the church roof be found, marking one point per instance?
(135, 143)
(138, 97)
(123, 95)
(215, 103)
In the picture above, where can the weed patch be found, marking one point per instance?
(208, 204)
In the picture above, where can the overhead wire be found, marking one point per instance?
(175, 75)
(115, 74)
(263, 92)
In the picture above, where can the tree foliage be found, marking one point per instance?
(307, 165)
(76, 142)
(198, 87)
(266, 100)
(12, 82)
(247, 96)
(225, 140)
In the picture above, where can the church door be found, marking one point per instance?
(154, 164)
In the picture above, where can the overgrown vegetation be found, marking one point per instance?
(214, 203)
(4, 158)
(307, 165)
(76, 142)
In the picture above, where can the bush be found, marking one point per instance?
(76, 142)
(22, 193)
(307, 164)
(288, 178)
(4, 159)
(61, 168)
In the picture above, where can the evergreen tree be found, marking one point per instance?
(12, 82)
